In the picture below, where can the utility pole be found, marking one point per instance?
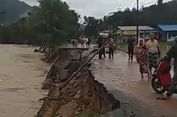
(137, 21)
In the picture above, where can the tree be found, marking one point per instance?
(151, 15)
(160, 2)
(54, 18)
(91, 29)
(50, 24)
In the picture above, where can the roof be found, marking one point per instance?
(131, 28)
(103, 34)
(168, 27)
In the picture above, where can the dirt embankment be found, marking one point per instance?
(80, 95)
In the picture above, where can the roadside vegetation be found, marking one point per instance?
(163, 47)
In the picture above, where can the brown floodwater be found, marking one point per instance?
(22, 72)
(119, 75)
(21, 75)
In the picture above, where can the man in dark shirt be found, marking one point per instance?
(100, 44)
(172, 54)
(130, 42)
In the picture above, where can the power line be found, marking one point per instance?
(124, 4)
(129, 3)
(145, 1)
(121, 4)
(149, 3)
(137, 27)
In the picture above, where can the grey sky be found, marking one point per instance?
(100, 8)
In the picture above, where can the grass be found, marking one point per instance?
(123, 47)
(163, 47)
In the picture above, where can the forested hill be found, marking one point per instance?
(156, 14)
(50, 24)
(159, 13)
(12, 10)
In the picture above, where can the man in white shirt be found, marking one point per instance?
(153, 48)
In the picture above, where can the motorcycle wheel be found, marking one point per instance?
(157, 87)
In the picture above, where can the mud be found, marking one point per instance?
(58, 72)
(81, 95)
(22, 72)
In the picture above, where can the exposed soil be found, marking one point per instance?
(22, 72)
(82, 94)
(58, 68)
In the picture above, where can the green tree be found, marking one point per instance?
(92, 27)
(160, 2)
(50, 24)
(54, 18)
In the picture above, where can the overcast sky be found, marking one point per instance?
(100, 8)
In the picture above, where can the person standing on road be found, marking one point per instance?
(172, 54)
(82, 42)
(74, 42)
(154, 51)
(130, 42)
(100, 44)
(142, 58)
(104, 48)
(88, 42)
(111, 48)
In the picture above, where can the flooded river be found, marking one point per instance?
(21, 73)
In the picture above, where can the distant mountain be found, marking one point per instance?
(12, 10)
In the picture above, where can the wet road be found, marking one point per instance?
(123, 79)
(21, 73)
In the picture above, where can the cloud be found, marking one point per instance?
(31, 2)
(99, 8)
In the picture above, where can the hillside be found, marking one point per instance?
(12, 10)
(160, 13)
(154, 14)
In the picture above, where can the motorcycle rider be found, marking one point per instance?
(172, 54)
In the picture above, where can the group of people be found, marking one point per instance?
(110, 44)
(84, 42)
(147, 53)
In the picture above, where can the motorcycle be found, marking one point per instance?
(161, 78)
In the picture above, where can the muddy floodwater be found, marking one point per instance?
(22, 72)
(21, 75)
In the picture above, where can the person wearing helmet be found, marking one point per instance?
(172, 54)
